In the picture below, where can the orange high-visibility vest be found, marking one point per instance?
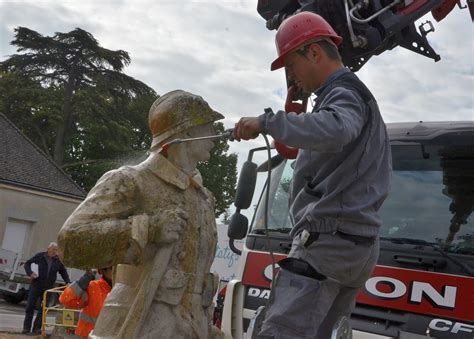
(90, 300)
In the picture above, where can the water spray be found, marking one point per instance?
(227, 134)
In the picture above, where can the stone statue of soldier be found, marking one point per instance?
(155, 221)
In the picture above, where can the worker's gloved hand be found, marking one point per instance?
(83, 283)
(291, 105)
(246, 129)
(167, 226)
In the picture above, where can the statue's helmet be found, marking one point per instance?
(176, 112)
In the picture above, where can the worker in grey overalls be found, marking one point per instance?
(341, 178)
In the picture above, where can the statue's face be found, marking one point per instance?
(200, 150)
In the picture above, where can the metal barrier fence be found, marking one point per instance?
(69, 316)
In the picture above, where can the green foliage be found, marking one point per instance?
(220, 173)
(74, 68)
(70, 96)
(31, 107)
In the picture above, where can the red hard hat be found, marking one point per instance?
(298, 29)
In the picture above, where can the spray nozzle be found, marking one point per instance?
(227, 134)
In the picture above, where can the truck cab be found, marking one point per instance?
(423, 282)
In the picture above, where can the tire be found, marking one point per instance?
(13, 299)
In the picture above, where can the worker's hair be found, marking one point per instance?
(330, 49)
(103, 269)
(327, 46)
(53, 244)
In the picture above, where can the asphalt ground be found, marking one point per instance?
(11, 320)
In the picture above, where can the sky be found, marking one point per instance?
(221, 50)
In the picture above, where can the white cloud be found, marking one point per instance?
(411, 87)
(221, 50)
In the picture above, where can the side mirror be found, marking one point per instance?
(237, 229)
(246, 185)
(239, 223)
(238, 226)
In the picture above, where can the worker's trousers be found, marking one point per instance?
(308, 307)
(34, 302)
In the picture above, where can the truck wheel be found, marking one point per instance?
(13, 299)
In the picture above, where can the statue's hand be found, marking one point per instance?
(167, 226)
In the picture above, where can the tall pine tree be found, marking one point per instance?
(68, 64)
(70, 96)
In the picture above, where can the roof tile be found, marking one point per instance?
(22, 163)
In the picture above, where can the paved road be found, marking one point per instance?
(11, 316)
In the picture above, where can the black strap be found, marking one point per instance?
(300, 267)
(356, 239)
(313, 236)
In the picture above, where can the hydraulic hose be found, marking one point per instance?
(267, 201)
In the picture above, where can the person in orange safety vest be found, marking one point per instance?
(88, 294)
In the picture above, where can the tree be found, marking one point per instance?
(220, 173)
(109, 135)
(70, 97)
(30, 107)
(69, 64)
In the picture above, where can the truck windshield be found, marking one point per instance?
(278, 213)
(431, 198)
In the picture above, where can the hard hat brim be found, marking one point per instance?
(278, 63)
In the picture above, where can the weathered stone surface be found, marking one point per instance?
(156, 222)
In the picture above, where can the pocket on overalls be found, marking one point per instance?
(291, 304)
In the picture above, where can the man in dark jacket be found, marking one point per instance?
(48, 267)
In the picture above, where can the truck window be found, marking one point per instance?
(278, 214)
(432, 190)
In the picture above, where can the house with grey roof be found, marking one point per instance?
(36, 196)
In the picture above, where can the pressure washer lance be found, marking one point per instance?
(227, 134)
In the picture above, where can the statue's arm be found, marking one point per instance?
(106, 228)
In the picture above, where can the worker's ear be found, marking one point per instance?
(315, 52)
